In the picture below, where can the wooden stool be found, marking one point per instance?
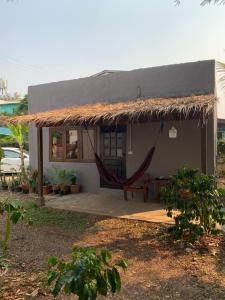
(140, 185)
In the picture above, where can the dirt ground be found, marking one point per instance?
(158, 267)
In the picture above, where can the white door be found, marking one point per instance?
(11, 162)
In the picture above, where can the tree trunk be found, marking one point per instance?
(22, 159)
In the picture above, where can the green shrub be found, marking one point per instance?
(197, 201)
(86, 274)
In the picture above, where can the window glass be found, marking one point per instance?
(113, 152)
(72, 144)
(57, 145)
(119, 152)
(11, 154)
(106, 152)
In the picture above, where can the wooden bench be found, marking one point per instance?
(141, 185)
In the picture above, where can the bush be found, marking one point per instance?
(197, 200)
(86, 275)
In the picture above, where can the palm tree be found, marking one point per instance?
(220, 70)
(19, 134)
(2, 155)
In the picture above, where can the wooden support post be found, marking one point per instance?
(40, 165)
(204, 147)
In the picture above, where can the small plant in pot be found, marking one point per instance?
(24, 182)
(62, 178)
(25, 187)
(74, 187)
(64, 189)
(47, 188)
(56, 189)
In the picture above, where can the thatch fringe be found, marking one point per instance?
(4, 120)
(133, 111)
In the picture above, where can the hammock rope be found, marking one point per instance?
(111, 178)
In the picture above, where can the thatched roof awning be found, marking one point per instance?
(4, 120)
(191, 107)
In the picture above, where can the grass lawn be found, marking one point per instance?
(158, 267)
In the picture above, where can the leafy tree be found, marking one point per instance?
(86, 274)
(197, 201)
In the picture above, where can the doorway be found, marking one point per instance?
(113, 151)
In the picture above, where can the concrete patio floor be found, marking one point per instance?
(110, 205)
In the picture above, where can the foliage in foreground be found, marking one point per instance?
(197, 201)
(14, 213)
(86, 275)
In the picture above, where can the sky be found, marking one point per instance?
(51, 40)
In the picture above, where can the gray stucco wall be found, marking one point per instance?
(174, 80)
(166, 81)
(170, 154)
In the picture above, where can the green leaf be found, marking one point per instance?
(16, 216)
(52, 275)
(123, 264)
(106, 256)
(111, 280)
(58, 285)
(102, 285)
(52, 261)
(117, 279)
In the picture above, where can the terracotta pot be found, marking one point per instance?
(25, 188)
(75, 188)
(45, 189)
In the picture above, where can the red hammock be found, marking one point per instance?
(117, 181)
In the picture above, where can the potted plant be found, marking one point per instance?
(46, 186)
(74, 187)
(62, 178)
(64, 189)
(56, 189)
(25, 187)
